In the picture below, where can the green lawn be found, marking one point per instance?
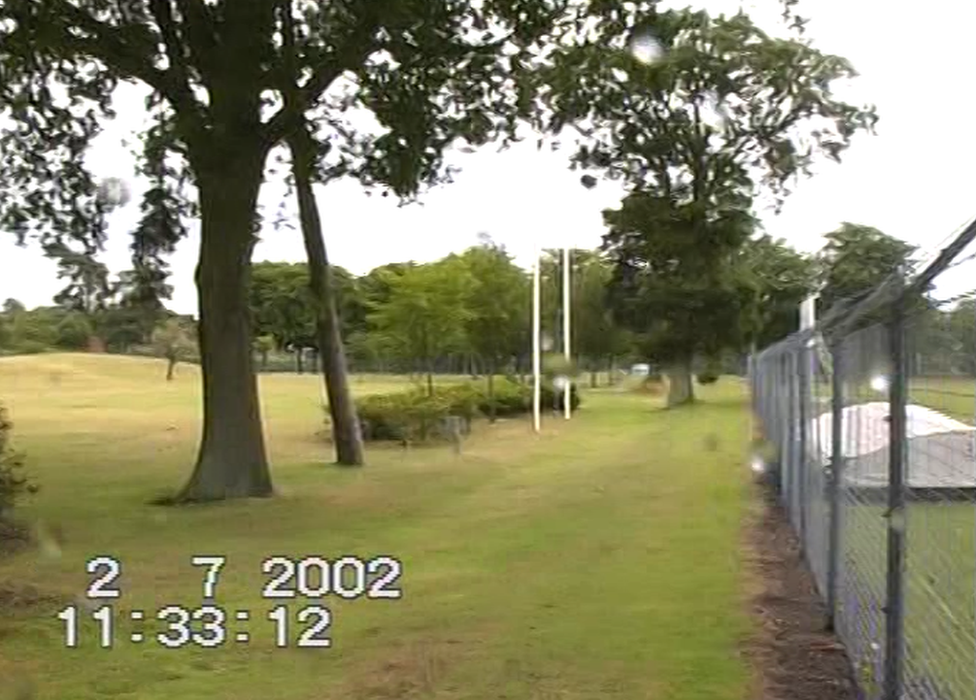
(600, 560)
(953, 396)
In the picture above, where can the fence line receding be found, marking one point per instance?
(871, 417)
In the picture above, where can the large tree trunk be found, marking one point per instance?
(300, 360)
(170, 367)
(232, 462)
(680, 388)
(346, 432)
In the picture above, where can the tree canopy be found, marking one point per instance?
(856, 258)
(726, 116)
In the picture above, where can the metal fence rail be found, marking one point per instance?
(872, 425)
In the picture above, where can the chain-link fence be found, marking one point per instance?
(871, 414)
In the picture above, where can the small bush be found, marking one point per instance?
(13, 482)
(413, 416)
(555, 398)
(707, 377)
(511, 398)
(410, 416)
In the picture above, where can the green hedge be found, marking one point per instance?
(413, 416)
(707, 377)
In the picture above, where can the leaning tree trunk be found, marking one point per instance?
(232, 461)
(680, 388)
(346, 432)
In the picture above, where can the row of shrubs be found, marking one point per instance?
(415, 416)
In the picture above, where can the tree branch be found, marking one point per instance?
(354, 50)
(106, 45)
(201, 31)
(182, 96)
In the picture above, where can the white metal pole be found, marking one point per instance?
(808, 312)
(567, 312)
(536, 342)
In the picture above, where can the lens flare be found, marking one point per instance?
(113, 192)
(646, 48)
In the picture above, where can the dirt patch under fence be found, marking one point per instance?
(794, 657)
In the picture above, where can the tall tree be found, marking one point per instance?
(776, 280)
(596, 336)
(346, 433)
(680, 302)
(430, 71)
(425, 316)
(498, 303)
(857, 258)
(726, 114)
(280, 301)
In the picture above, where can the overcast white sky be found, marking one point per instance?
(912, 180)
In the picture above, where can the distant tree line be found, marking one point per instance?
(470, 313)
(466, 313)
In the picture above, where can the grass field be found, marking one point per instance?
(953, 396)
(599, 560)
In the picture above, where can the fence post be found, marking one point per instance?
(834, 482)
(803, 442)
(790, 437)
(895, 608)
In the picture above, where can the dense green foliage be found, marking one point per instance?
(419, 416)
(13, 481)
(726, 116)
(467, 313)
(855, 259)
(115, 328)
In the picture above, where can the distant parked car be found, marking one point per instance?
(640, 370)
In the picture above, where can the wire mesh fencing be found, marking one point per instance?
(870, 417)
